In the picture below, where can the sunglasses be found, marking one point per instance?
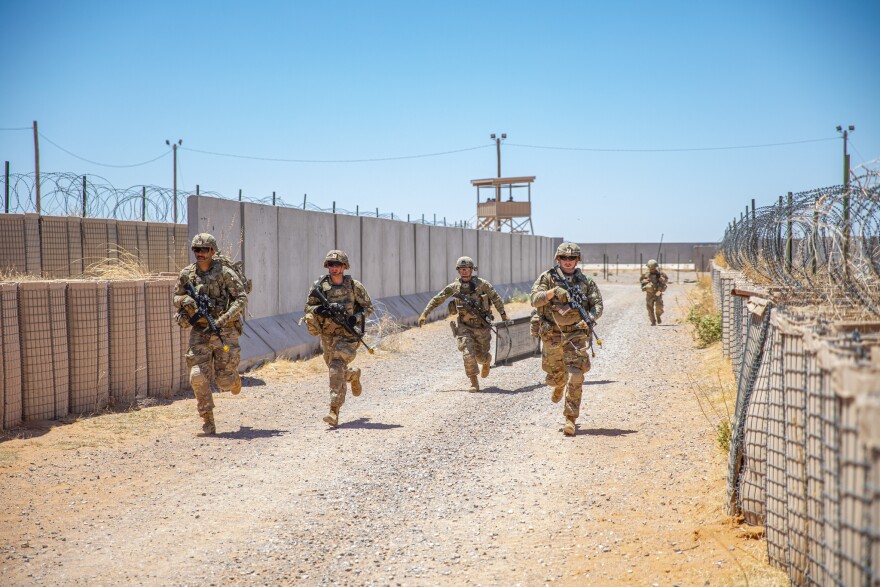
(568, 258)
(334, 264)
(201, 249)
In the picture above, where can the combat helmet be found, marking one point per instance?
(465, 262)
(652, 264)
(203, 239)
(569, 250)
(337, 255)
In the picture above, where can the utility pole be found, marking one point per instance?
(37, 163)
(498, 187)
(174, 148)
(846, 132)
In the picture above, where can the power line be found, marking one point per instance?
(278, 159)
(18, 128)
(672, 150)
(96, 162)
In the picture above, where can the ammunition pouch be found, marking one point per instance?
(454, 327)
(182, 318)
(453, 309)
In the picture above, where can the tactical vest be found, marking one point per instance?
(339, 294)
(561, 313)
(211, 282)
(472, 290)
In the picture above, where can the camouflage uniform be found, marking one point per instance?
(653, 283)
(565, 338)
(205, 354)
(339, 346)
(472, 334)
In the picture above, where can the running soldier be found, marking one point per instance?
(472, 297)
(565, 336)
(347, 302)
(215, 312)
(654, 284)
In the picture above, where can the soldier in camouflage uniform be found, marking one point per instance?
(472, 333)
(566, 338)
(339, 346)
(206, 354)
(654, 284)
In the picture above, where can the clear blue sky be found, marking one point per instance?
(110, 81)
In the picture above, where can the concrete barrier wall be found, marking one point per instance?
(422, 257)
(409, 265)
(260, 255)
(348, 239)
(641, 252)
(437, 258)
(303, 241)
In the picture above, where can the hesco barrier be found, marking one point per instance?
(805, 448)
(76, 347)
(58, 247)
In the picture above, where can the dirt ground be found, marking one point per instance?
(422, 484)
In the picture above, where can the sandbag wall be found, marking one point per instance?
(58, 247)
(805, 448)
(77, 347)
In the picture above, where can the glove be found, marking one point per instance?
(422, 320)
(221, 321)
(188, 302)
(322, 311)
(336, 308)
(658, 294)
(504, 317)
(560, 294)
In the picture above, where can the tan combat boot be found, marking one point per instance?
(208, 426)
(475, 384)
(557, 393)
(236, 385)
(484, 371)
(333, 417)
(569, 428)
(659, 321)
(356, 388)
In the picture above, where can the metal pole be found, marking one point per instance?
(197, 189)
(37, 163)
(790, 238)
(273, 198)
(174, 149)
(845, 201)
(6, 183)
(357, 210)
(304, 201)
(144, 203)
(377, 212)
(334, 206)
(84, 196)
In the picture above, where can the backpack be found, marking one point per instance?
(237, 268)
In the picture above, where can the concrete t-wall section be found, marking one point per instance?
(640, 252)
(380, 256)
(469, 245)
(222, 218)
(423, 257)
(454, 249)
(348, 239)
(260, 255)
(408, 261)
(439, 263)
(303, 241)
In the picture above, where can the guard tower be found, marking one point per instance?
(499, 211)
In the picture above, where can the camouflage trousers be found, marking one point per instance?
(565, 358)
(474, 344)
(206, 357)
(339, 351)
(654, 303)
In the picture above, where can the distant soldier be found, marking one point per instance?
(654, 284)
(566, 337)
(472, 297)
(213, 343)
(346, 301)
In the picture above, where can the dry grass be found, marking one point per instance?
(8, 275)
(124, 266)
(720, 260)
(286, 369)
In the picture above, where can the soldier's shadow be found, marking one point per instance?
(364, 424)
(605, 432)
(525, 389)
(248, 433)
(599, 382)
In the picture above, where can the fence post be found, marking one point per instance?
(304, 201)
(788, 244)
(84, 196)
(273, 198)
(7, 187)
(143, 203)
(239, 195)
(357, 209)
(377, 212)
(334, 206)
(197, 189)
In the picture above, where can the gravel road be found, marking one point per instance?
(422, 483)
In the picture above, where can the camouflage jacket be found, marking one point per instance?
(559, 313)
(654, 281)
(479, 291)
(351, 293)
(222, 285)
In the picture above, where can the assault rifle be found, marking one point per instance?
(577, 299)
(204, 305)
(473, 307)
(339, 315)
